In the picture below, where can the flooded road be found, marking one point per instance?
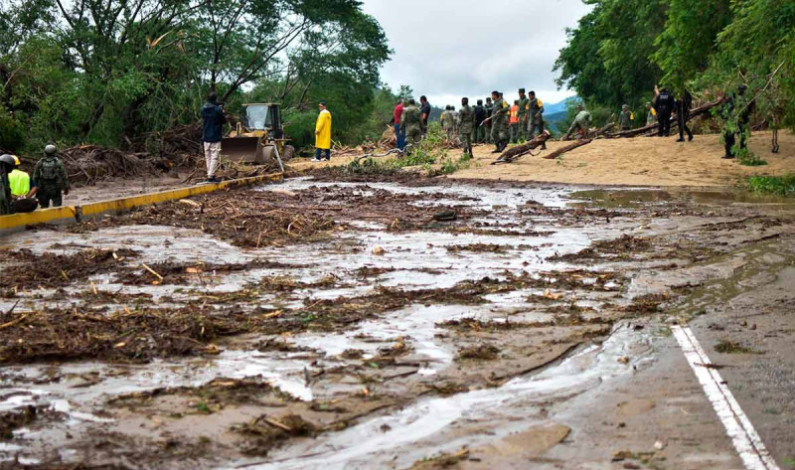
(318, 324)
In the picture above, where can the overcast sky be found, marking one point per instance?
(447, 49)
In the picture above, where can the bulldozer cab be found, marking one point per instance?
(259, 137)
(264, 117)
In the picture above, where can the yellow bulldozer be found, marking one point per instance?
(259, 137)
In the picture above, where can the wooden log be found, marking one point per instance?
(514, 153)
(557, 153)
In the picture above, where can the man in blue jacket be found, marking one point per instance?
(213, 120)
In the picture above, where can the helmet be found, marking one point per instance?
(7, 162)
(50, 150)
(17, 161)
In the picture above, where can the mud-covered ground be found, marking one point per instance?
(353, 320)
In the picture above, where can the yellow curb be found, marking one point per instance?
(74, 213)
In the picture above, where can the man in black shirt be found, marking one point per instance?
(213, 120)
(683, 105)
(664, 105)
(480, 116)
(425, 111)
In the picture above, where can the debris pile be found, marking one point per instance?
(87, 164)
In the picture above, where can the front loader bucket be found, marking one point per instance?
(241, 149)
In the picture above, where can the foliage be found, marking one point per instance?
(607, 57)
(688, 40)
(430, 150)
(621, 49)
(106, 72)
(450, 166)
(12, 134)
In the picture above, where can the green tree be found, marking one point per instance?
(607, 58)
(687, 43)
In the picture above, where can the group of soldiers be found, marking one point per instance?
(493, 122)
(21, 192)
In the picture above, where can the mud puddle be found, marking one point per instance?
(439, 425)
(405, 323)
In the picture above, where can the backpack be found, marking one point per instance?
(49, 169)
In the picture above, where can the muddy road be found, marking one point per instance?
(352, 320)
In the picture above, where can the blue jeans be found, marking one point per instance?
(401, 137)
(318, 151)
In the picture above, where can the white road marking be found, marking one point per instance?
(739, 428)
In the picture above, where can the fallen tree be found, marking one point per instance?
(514, 153)
(557, 153)
(642, 130)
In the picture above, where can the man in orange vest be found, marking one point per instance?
(513, 123)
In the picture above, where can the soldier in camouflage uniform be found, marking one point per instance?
(651, 114)
(625, 118)
(444, 120)
(466, 123)
(487, 126)
(499, 122)
(535, 119)
(411, 123)
(450, 124)
(524, 104)
(50, 176)
(581, 124)
(6, 167)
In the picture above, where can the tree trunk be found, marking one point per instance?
(557, 153)
(514, 153)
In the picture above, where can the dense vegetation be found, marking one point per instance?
(622, 48)
(106, 72)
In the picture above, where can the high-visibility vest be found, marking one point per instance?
(514, 114)
(19, 182)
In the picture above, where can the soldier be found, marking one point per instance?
(625, 118)
(487, 122)
(664, 105)
(466, 123)
(499, 122)
(513, 122)
(6, 166)
(581, 124)
(524, 105)
(683, 105)
(50, 176)
(444, 121)
(450, 124)
(535, 118)
(651, 114)
(736, 121)
(480, 116)
(411, 124)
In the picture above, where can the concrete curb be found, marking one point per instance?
(70, 214)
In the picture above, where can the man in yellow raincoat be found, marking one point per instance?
(323, 134)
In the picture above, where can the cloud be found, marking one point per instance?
(451, 48)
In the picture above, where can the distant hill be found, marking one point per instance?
(555, 113)
(559, 107)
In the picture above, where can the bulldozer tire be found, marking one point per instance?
(268, 155)
(289, 153)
